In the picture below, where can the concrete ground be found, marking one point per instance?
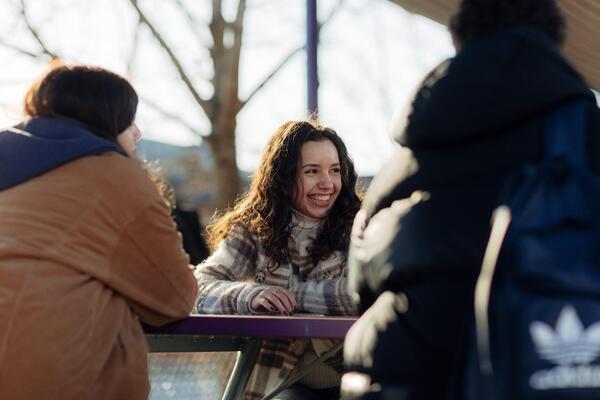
(189, 376)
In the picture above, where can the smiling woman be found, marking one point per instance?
(282, 249)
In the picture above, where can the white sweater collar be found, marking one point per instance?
(301, 221)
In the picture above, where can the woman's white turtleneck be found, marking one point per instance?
(301, 221)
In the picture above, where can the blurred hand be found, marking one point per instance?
(274, 299)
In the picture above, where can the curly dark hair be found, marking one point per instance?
(266, 207)
(476, 18)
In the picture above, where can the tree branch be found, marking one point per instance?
(134, 48)
(204, 105)
(217, 50)
(272, 74)
(238, 29)
(20, 50)
(192, 22)
(171, 116)
(291, 55)
(35, 33)
(332, 13)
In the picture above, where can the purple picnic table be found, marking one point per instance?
(244, 334)
(295, 326)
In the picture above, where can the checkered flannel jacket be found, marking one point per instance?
(237, 271)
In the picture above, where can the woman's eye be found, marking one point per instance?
(336, 170)
(310, 171)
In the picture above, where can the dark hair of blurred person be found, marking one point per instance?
(476, 18)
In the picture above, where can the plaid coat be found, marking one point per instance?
(237, 271)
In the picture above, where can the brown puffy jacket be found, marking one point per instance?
(87, 250)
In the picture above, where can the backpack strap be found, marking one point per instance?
(501, 222)
(566, 134)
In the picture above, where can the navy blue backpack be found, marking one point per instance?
(537, 299)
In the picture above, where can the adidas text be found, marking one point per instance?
(564, 377)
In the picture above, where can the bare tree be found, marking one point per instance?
(221, 107)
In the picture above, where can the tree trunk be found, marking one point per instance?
(226, 176)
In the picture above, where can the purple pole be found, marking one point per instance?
(312, 39)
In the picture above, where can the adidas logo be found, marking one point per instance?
(570, 343)
(571, 347)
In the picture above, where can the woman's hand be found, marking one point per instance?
(274, 299)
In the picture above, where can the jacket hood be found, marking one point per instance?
(40, 144)
(493, 83)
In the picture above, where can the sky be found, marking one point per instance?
(372, 54)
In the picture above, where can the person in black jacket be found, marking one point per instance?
(419, 238)
(188, 224)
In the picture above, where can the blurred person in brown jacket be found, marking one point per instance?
(87, 245)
